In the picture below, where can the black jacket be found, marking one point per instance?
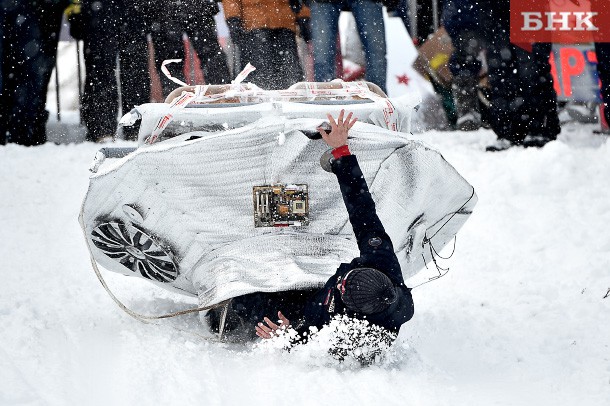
(376, 251)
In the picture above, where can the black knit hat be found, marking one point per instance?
(367, 291)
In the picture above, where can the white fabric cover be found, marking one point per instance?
(392, 113)
(196, 197)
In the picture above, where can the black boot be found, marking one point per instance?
(465, 96)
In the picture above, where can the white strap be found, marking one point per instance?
(243, 74)
(168, 74)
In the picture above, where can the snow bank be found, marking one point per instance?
(520, 319)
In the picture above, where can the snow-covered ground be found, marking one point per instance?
(520, 319)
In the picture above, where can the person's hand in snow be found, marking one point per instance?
(268, 330)
(338, 130)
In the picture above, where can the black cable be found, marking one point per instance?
(433, 252)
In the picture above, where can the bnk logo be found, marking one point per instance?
(562, 21)
(559, 21)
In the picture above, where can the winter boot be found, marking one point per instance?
(464, 89)
(535, 141)
(501, 144)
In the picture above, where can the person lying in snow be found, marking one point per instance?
(370, 287)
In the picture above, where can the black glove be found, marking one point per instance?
(304, 28)
(236, 30)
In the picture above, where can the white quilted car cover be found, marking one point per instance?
(187, 202)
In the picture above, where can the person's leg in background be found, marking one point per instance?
(504, 82)
(50, 18)
(504, 88)
(523, 101)
(5, 76)
(324, 30)
(459, 17)
(100, 100)
(167, 32)
(426, 18)
(538, 118)
(465, 67)
(202, 32)
(29, 59)
(369, 20)
(603, 69)
(286, 66)
(258, 51)
(133, 57)
(169, 45)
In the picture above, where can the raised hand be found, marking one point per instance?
(338, 129)
(268, 330)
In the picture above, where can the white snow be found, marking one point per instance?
(520, 319)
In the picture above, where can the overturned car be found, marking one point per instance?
(225, 195)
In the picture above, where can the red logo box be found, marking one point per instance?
(560, 21)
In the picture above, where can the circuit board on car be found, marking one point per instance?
(281, 205)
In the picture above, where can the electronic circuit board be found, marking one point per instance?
(281, 205)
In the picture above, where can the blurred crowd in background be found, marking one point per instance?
(520, 103)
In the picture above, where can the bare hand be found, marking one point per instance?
(268, 330)
(338, 130)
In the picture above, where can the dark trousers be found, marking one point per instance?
(201, 31)
(274, 54)
(425, 18)
(465, 67)
(114, 34)
(603, 69)
(28, 47)
(523, 100)
(464, 60)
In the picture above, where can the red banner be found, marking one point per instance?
(559, 21)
